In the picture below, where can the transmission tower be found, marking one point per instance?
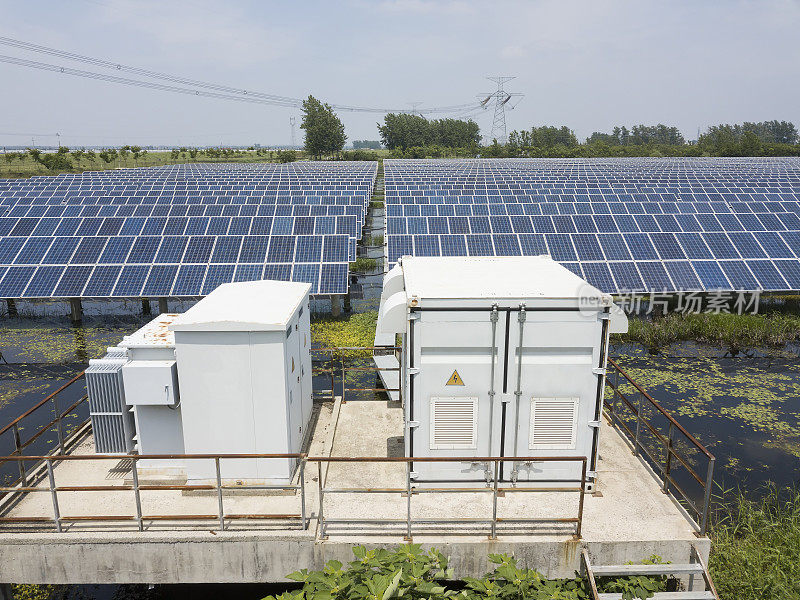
(500, 98)
(291, 122)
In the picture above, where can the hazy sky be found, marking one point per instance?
(589, 64)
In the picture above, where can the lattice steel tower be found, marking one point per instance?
(501, 98)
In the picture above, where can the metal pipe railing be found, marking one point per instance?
(59, 520)
(663, 467)
(51, 401)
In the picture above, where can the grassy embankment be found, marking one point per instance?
(28, 167)
(726, 330)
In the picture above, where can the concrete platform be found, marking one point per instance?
(630, 521)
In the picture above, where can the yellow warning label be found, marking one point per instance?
(455, 379)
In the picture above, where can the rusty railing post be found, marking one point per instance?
(220, 508)
(303, 492)
(53, 494)
(707, 497)
(333, 377)
(18, 449)
(580, 501)
(344, 397)
(616, 392)
(408, 501)
(493, 534)
(321, 511)
(638, 425)
(59, 425)
(137, 495)
(668, 459)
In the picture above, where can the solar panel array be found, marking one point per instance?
(625, 225)
(180, 231)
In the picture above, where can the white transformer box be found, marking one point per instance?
(232, 375)
(502, 356)
(151, 389)
(244, 370)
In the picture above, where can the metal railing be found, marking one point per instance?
(218, 486)
(409, 491)
(53, 402)
(630, 413)
(339, 361)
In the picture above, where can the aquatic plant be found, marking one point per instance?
(357, 329)
(363, 264)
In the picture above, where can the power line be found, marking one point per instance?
(213, 90)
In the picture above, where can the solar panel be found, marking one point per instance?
(183, 229)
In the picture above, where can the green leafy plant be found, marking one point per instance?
(409, 572)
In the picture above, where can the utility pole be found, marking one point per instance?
(414, 106)
(501, 98)
(291, 122)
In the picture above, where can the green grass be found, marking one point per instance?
(727, 330)
(27, 167)
(755, 551)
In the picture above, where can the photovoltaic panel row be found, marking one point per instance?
(586, 208)
(594, 223)
(182, 210)
(185, 280)
(108, 226)
(173, 249)
(745, 234)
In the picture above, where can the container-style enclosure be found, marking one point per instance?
(502, 356)
(232, 375)
(244, 372)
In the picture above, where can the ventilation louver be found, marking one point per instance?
(553, 423)
(113, 424)
(454, 423)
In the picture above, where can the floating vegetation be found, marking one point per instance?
(32, 342)
(732, 331)
(363, 264)
(355, 330)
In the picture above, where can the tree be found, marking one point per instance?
(324, 130)
(108, 155)
(35, 154)
(408, 131)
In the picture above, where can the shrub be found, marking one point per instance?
(286, 156)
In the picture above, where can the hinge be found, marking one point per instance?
(413, 423)
(594, 423)
(505, 398)
(413, 475)
(599, 370)
(603, 316)
(413, 316)
(412, 370)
